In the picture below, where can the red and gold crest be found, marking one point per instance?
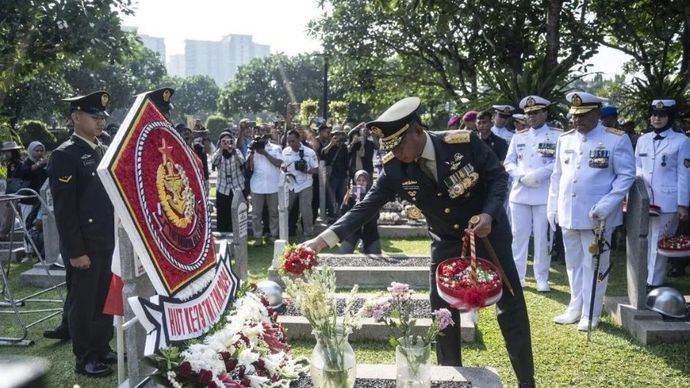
(160, 182)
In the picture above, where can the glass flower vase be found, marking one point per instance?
(412, 363)
(333, 363)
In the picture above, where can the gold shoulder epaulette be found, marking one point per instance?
(615, 131)
(457, 137)
(387, 157)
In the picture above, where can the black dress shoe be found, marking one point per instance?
(93, 369)
(109, 358)
(59, 333)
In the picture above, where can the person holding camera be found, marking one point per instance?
(335, 155)
(264, 161)
(361, 149)
(300, 163)
(228, 161)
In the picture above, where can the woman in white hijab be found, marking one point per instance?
(33, 171)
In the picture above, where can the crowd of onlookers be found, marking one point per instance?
(250, 159)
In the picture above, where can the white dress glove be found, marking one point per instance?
(552, 218)
(529, 180)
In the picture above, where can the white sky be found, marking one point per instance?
(282, 24)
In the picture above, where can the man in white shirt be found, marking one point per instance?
(264, 161)
(529, 162)
(593, 172)
(501, 115)
(662, 159)
(300, 163)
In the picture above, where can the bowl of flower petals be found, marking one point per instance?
(468, 282)
(678, 246)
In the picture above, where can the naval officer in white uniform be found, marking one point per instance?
(593, 172)
(662, 159)
(530, 161)
(501, 115)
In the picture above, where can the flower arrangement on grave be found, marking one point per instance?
(395, 310)
(312, 290)
(468, 282)
(246, 349)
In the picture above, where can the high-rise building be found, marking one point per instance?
(220, 60)
(176, 65)
(154, 44)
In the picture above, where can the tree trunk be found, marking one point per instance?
(553, 11)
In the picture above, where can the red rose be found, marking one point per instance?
(184, 369)
(212, 385)
(205, 376)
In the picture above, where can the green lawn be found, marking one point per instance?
(563, 358)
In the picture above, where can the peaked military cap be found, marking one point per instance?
(392, 124)
(504, 110)
(519, 117)
(534, 103)
(94, 103)
(581, 102)
(161, 98)
(663, 106)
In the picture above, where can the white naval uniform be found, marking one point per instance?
(664, 165)
(592, 173)
(504, 133)
(531, 154)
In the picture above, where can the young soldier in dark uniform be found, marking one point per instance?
(84, 217)
(450, 176)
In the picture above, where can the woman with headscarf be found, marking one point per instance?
(228, 161)
(33, 171)
(369, 232)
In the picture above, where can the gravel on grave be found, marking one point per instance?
(305, 382)
(366, 261)
(421, 308)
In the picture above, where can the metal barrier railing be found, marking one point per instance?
(12, 304)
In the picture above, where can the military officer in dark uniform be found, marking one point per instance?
(84, 217)
(451, 176)
(162, 98)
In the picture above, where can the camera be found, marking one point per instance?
(301, 164)
(259, 142)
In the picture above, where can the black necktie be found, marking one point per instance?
(659, 137)
(99, 151)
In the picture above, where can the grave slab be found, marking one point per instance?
(646, 326)
(479, 377)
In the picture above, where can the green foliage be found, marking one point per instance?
(338, 111)
(7, 134)
(196, 96)
(454, 51)
(34, 130)
(269, 84)
(657, 37)
(35, 36)
(215, 125)
(61, 136)
(308, 110)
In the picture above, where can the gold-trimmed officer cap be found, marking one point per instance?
(94, 103)
(534, 103)
(392, 124)
(162, 99)
(521, 117)
(504, 110)
(581, 102)
(662, 106)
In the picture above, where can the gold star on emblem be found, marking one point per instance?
(166, 95)
(104, 99)
(576, 101)
(660, 105)
(377, 132)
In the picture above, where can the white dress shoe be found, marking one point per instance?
(543, 287)
(584, 324)
(523, 283)
(568, 317)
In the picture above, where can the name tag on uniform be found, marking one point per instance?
(643, 155)
(569, 151)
